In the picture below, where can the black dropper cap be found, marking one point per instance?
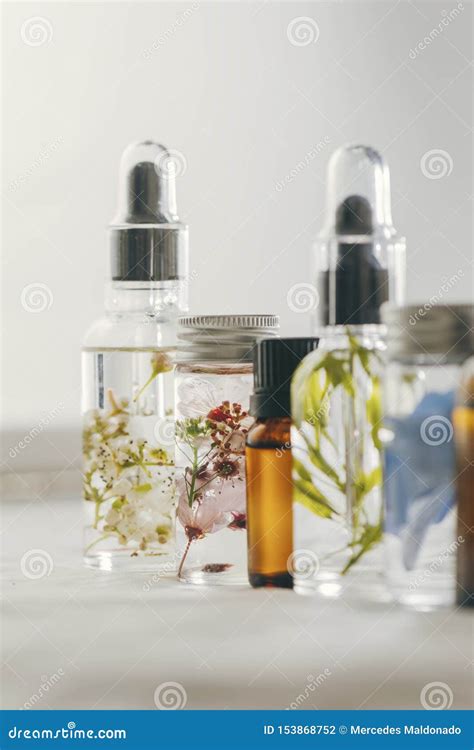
(354, 216)
(147, 240)
(361, 283)
(359, 256)
(275, 361)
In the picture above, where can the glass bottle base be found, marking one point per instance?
(274, 580)
(218, 559)
(124, 560)
(330, 587)
(368, 586)
(213, 574)
(424, 601)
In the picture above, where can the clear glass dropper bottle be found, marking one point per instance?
(127, 362)
(360, 263)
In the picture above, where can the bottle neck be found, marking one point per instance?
(270, 433)
(284, 420)
(339, 337)
(146, 297)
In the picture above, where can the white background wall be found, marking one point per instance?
(222, 83)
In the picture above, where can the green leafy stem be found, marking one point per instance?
(336, 369)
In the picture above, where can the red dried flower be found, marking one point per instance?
(239, 522)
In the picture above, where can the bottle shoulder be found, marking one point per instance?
(135, 330)
(341, 364)
(341, 338)
(269, 433)
(340, 346)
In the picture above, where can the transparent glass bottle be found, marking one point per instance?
(127, 375)
(424, 420)
(336, 390)
(214, 378)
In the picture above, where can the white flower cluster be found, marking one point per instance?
(143, 514)
(130, 479)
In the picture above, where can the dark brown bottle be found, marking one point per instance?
(463, 421)
(269, 502)
(268, 462)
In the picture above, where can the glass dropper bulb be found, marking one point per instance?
(358, 193)
(359, 258)
(148, 243)
(147, 185)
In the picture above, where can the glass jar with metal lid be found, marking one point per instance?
(426, 348)
(214, 378)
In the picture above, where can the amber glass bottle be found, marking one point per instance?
(463, 422)
(269, 502)
(268, 462)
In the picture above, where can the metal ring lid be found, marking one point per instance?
(444, 331)
(222, 338)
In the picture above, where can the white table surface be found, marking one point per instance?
(112, 642)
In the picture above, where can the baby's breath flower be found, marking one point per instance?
(130, 480)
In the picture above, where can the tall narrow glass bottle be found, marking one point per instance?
(336, 390)
(213, 386)
(127, 361)
(427, 454)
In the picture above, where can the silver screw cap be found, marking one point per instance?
(222, 338)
